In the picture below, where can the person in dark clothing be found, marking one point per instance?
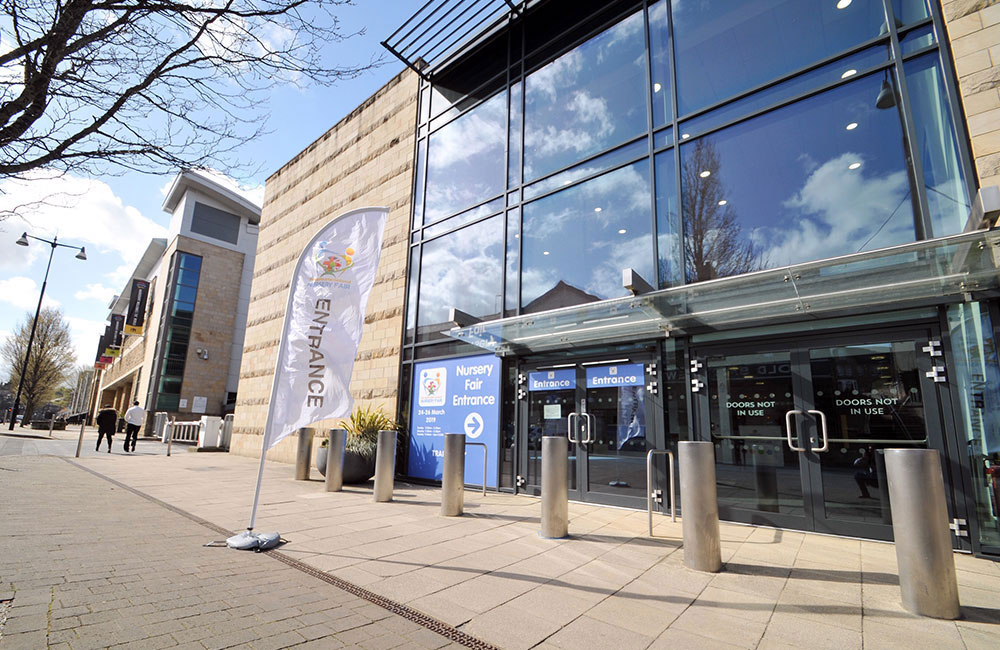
(865, 475)
(107, 420)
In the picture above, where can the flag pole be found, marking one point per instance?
(282, 345)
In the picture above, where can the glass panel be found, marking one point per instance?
(185, 294)
(977, 389)
(774, 95)
(576, 242)
(418, 185)
(663, 110)
(508, 427)
(668, 240)
(468, 216)
(514, 138)
(167, 402)
(909, 11)
(188, 277)
(465, 160)
(937, 146)
(916, 39)
(616, 460)
(463, 270)
(513, 261)
(192, 262)
(724, 48)
(871, 397)
(547, 413)
(823, 177)
(587, 100)
(589, 168)
(748, 398)
(664, 138)
(411, 294)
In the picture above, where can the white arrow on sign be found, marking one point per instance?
(473, 425)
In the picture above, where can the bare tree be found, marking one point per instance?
(50, 361)
(715, 245)
(151, 85)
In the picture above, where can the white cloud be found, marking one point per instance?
(97, 292)
(252, 193)
(22, 292)
(85, 333)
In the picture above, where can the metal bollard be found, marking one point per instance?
(555, 487)
(79, 443)
(700, 515)
(52, 424)
(453, 475)
(927, 578)
(304, 454)
(335, 460)
(385, 466)
(170, 435)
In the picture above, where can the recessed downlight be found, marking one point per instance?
(685, 136)
(656, 88)
(545, 252)
(622, 231)
(851, 126)
(723, 202)
(705, 173)
(597, 209)
(854, 165)
(844, 4)
(848, 73)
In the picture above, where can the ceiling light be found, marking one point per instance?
(656, 88)
(705, 174)
(685, 136)
(849, 73)
(545, 252)
(723, 202)
(854, 165)
(598, 209)
(844, 4)
(622, 231)
(851, 126)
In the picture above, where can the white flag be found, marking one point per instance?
(323, 323)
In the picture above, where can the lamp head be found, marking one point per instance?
(886, 97)
(82, 255)
(23, 240)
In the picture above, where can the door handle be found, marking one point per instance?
(569, 428)
(788, 429)
(589, 419)
(822, 424)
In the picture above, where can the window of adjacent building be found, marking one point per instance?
(461, 270)
(465, 160)
(215, 223)
(576, 242)
(176, 333)
(587, 100)
(724, 48)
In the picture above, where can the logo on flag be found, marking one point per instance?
(331, 263)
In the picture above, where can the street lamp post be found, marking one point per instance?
(23, 241)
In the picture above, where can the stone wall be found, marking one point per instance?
(974, 31)
(365, 160)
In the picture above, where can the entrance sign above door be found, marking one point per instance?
(552, 379)
(454, 396)
(631, 374)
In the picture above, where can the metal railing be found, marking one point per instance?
(649, 485)
(185, 431)
(485, 464)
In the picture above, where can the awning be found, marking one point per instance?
(932, 272)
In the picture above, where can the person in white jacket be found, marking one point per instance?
(134, 418)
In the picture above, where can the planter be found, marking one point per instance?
(357, 468)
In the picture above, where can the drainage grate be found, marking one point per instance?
(4, 608)
(440, 627)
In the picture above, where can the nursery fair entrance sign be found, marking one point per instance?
(455, 396)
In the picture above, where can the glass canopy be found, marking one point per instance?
(938, 271)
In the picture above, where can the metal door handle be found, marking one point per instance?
(590, 428)
(569, 428)
(826, 435)
(788, 429)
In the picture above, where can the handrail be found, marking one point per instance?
(649, 486)
(486, 453)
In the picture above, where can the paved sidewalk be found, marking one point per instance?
(608, 586)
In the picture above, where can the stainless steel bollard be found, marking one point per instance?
(79, 442)
(700, 513)
(304, 454)
(920, 527)
(385, 466)
(453, 475)
(335, 460)
(555, 487)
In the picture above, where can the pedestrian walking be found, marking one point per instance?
(134, 418)
(107, 419)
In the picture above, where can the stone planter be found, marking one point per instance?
(357, 468)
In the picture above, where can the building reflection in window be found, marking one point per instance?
(576, 242)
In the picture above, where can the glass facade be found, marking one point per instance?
(176, 326)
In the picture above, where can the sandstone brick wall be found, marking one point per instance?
(366, 159)
(974, 31)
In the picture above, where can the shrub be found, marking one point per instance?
(363, 427)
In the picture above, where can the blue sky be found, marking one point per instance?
(115, 216)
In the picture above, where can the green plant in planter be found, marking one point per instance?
(363, 427)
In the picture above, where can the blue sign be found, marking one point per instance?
(455, 396)
(632, 374)
(552, 379)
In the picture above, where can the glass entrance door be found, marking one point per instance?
(800, 431)
(606, 410)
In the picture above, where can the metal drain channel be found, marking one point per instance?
(449, 632)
